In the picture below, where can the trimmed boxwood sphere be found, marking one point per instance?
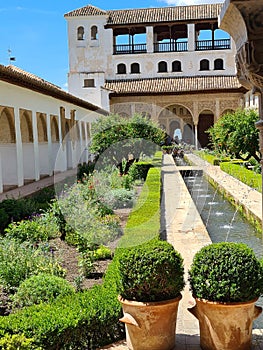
(151, 272)
(226, 272)
(41, 288)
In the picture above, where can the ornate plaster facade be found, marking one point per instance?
(156, 61)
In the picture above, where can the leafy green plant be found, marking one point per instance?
(226, 272)
(41, 288)
(17, 342)
(241, 173)
(236, 134)
(19, 261)
(40, 228)
(102, 253)
(151, 272)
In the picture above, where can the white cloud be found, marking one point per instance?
(190, 2)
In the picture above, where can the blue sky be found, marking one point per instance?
(36, 32)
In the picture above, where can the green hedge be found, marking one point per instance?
(244, 175)
(143, 223)
(90, 319)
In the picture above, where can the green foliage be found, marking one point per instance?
(17, 342)
(19, 261)
(86, 320)
(85, 224)
(236, 134)
(144, 221)
(151, 272)
(40, 228)
(41, 288)
(102, 253)
(85, 170)
(139, 171)
(115, 137)
(226, 272)
(241, 173)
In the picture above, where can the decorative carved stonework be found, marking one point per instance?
(206, 105)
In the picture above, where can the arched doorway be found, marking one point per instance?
(179, 122)
(206, 120)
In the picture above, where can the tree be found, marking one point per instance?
(236, 134)
(115, 138)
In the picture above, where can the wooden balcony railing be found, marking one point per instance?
(129, 49)
(221, 44)
(171, 47)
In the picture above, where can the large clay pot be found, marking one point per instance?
(150, 325)
(225, 326)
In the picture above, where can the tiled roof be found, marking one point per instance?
(88, 10)
(152, 15)
(16, 76)
(173, 85)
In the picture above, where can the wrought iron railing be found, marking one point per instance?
(220, 44)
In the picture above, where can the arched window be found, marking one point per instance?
(176, 66)
(204, 65)
(218, 64)
(94, 33)
(162, 66)
(135, 68)
(121, 68)
(80, 32)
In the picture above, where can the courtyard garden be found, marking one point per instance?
(63, 251)
(57, 273)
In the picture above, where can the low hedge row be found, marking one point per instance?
(90, 319)
(244, 175)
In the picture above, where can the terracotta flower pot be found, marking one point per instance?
(225, 326)
(150, 325)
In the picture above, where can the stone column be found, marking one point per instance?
(19, 149)
(49, 140)
(35, 145)
(191, 36)
(149, 39)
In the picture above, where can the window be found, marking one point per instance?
(204, 65)
(94, 33)
(80, 33)
(121, 68)
(218, 64)
(176, 66)
(162, 67)
(89, 83)
(135, 68)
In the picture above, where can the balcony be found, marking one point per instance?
(129, 49)
(171, 47)
(221, 44)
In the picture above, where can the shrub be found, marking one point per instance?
(144, 221)
(139, 171)
(20, 261)
(17, 342)
(86, 320)
(151, 272)
(39, 228)
(226, 272)
(102, 253)
(41, 288)
(241, 173)
(119, 198)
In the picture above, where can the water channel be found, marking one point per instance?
(222, 220)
